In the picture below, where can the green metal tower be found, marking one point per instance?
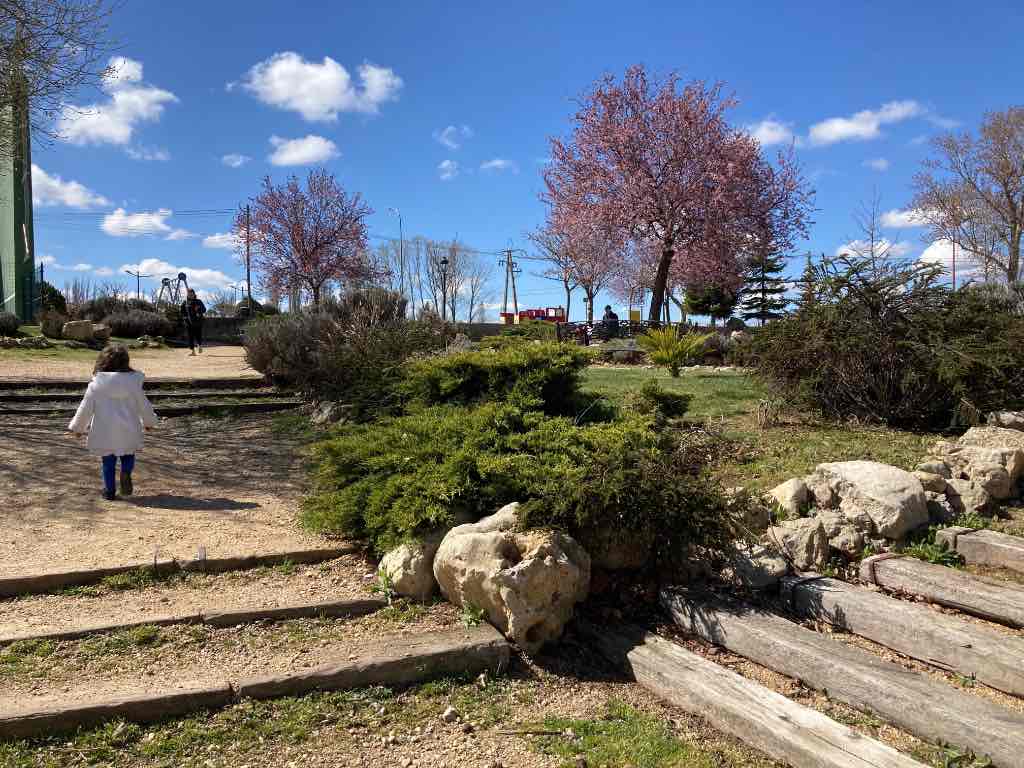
(17, 243)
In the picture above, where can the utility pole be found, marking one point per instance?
(444, 288)
(138, 282)
(401, 253)
(511, 270)
(248, 260)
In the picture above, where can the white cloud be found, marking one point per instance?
(180, 234)
(224, 240)
(448, 170)
(114, 121)
(452, 136)
(890, 249)
(946, 123)
(919, 140)
(898, 219)
(235, 160)
(103, 272)
(197, 277)
(123, 224)
(51, 261)
(146, 153)
(52, 190)
(304, 151)
(877, 164)
(863, 125)
(941, 252)
(499, 164)
(769, 132)
(319, 92)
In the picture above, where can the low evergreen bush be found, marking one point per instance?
(406, 476)
(544, 376)
(52, 324)
(8, 324)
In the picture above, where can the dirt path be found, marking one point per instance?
(215, 362)
(230, 485)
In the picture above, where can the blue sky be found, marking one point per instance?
(213, 96)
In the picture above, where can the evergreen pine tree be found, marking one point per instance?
(764, 288)
(808, 286)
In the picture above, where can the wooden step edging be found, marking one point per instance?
(948, 642)
(153, 395)
(1001, 603)
(984, 547)
(790, 732)
(12, 586)
(217, 619)
(222, 382)
(264, 406)
(396, 660)
(917, 703)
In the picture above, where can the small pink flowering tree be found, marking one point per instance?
(306, 238)
(662, 164)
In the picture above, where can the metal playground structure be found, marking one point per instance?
(172, 292)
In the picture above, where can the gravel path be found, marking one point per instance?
(231, 485)
(215, 362)
(346, 578)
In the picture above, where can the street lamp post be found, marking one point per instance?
(444, 288)
(138, 282)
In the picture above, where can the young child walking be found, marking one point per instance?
(114, 412)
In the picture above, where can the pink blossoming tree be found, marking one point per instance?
(662, 164)
(307, 238)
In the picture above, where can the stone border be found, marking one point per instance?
(397, 660)
(219, 619)
(33, 584)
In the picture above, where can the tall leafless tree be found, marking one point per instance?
(49, 50)
(971, 192)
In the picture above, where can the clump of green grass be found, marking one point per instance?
(473, 616)
(924, 547)
(623, 737)
(25, 655)
(144, 636)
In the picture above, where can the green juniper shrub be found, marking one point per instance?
(893, 344)
(51, 324)
(405, 476)
(8, 324)
(545, 376)
(654, 400)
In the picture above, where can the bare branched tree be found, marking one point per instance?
(971, 192)
(49, 50)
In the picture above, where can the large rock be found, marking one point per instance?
(791, 496)
(331, 412)
(803, 540)
(100, 332)
(997, 469)
(526, 583)
(1007, 419)
(934, 466)
(891, 497)
(756, 567)
(78, 330)
(410, 568)
(930, 481)
(966, 496)
(819, 493)
(993, 437)
(940, 511)
(846, 533)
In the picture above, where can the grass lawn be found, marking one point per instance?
(56, 352)
(769, 456)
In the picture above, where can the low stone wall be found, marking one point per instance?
(222, 329)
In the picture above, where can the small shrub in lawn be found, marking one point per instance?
(52, 324)
(406, 476)
(137, 322)
(544, 376)
(654, 400)
(8, 324)
(667, 347)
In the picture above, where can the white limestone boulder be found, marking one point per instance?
(892, 498)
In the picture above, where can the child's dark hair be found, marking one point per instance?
(113, 359)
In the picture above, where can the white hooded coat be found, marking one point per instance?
(114, 411)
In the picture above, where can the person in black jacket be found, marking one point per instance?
(610, 322)
(192, 312)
